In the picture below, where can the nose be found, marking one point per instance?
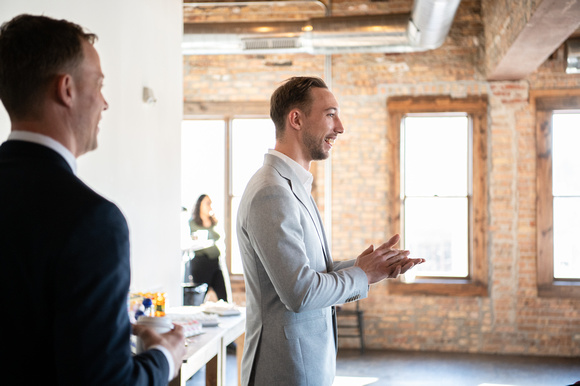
(338, 128)
(105, 105)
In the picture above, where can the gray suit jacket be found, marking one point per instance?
(291, 282)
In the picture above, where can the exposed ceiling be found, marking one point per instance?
(425, 28)
(551, 24)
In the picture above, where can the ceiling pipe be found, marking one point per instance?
(423, 29)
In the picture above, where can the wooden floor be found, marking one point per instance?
(402, 368)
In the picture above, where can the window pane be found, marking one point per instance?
(566, 157)
(436, 155)
(251, 139)
(202, 168)
(236, 267)
(436, 229)
(566, 232)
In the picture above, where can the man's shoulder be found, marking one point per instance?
(267, 179)
(76, 191)
(265, 184)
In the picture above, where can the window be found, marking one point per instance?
(202, 170)
(566, 194)
(219, 156)
(439, 192)
(558, 189)
(435, 194)
(250, 140)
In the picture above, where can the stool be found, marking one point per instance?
(194, 294)
(355, 330)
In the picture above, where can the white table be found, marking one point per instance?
(209, 349)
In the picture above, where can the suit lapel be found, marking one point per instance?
(322, 235)
(306, 200)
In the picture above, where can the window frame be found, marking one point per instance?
(476, 108)
(545, 102)
(227, 111)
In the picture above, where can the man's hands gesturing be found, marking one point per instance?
(385, 262)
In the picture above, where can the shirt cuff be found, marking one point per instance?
(169, 358)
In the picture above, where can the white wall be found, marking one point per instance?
(137, 164)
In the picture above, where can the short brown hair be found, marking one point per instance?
(294, 93)
(33, 49)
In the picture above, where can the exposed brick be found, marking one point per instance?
(513, 320)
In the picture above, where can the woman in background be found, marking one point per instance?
(205, 266)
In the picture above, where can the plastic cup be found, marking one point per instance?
(160, 324)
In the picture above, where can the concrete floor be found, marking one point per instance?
(402, 368)
(198, 378)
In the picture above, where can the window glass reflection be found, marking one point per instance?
(436, 150)
(566, 157)
(566, 192)
(435, 178)
(436, 229)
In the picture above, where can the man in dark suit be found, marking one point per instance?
(64, 250)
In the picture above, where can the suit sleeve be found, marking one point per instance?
(277, 236)
(343, 264)
(91, 321)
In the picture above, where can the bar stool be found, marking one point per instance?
(353, 330)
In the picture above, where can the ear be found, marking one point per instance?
(64, 89)
(295, 119)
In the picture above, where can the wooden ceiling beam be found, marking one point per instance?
(550, 25)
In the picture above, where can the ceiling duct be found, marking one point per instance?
(573, 56)
(423, 29)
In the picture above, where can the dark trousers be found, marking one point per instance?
(205, 270)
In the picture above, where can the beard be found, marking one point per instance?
(314, 147)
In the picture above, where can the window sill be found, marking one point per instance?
(438, 287)
(560, 289)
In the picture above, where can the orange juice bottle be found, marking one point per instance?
(160, 304)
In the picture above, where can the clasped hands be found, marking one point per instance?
(385, 262)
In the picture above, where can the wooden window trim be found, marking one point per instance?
(476, 108)
(545, 102)
(225, 109)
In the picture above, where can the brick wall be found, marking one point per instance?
(512, 319)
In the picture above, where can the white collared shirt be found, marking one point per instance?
(28, 136)
(304, 175)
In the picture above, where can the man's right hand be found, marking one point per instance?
(174, 341)
(385, 262)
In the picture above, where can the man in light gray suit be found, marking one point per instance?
(292, 283)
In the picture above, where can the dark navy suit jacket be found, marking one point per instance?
(64, 278)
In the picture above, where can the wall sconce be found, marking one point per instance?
(148, 96)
